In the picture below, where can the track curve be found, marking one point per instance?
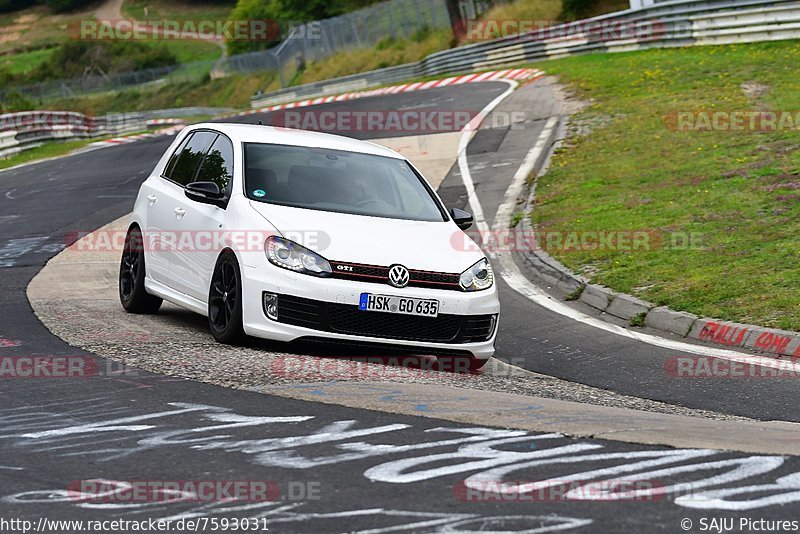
(143, 425)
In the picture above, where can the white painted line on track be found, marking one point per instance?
(511, 274)
(463, 166)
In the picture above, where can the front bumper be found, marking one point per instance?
(460, 313)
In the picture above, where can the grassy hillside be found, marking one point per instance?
(236, 91)
(736, 190)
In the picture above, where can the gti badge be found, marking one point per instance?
(398, 276)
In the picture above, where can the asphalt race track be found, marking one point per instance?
(346, 469)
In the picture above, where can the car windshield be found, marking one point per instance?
(339, 181)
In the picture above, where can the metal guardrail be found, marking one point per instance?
(342, 84)
(665, 24)
(22, 130)
(27, 129)
(171, 113)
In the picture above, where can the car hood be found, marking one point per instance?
(427, 246)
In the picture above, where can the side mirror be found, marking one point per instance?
(462, 218)
(205, 192)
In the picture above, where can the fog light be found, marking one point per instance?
(271, 305)
(492, 325)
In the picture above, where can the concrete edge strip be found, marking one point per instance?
(773, 341)
(579, 420)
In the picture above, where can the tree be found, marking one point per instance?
(577, 9)
(456, 22)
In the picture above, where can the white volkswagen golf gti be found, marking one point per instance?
(287, 234)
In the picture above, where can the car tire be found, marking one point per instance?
(225, 301)
(459, 364)
(132, 294)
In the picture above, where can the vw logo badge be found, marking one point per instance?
(398, 276)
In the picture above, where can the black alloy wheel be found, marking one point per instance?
(132, 294)
(225, 301)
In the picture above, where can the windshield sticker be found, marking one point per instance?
(259, 193)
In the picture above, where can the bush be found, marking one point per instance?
(576, 9)
(581, 9)
(253, 10)
(14, 101)
(285, 12)
(385, 42)
(420, 34)
(75, 59)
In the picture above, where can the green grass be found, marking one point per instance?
(233, 91)
(737, 190)
(185, 50)
(25, 61)
(387, 53)
(528, 13)
(47, 150)
(33, 33)
(36, 28)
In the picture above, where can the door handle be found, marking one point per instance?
(180, 212)
(152, 199)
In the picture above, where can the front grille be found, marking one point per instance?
(440, 280)
(347, 319)
(350, 320)
(380, 275)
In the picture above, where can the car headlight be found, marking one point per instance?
(289, 255)
(477, 277)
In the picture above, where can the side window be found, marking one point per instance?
(174, 158)
(217, 166)
(190, 157)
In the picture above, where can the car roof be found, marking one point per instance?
(256, 133)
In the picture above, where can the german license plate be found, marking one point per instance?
(402, 305)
